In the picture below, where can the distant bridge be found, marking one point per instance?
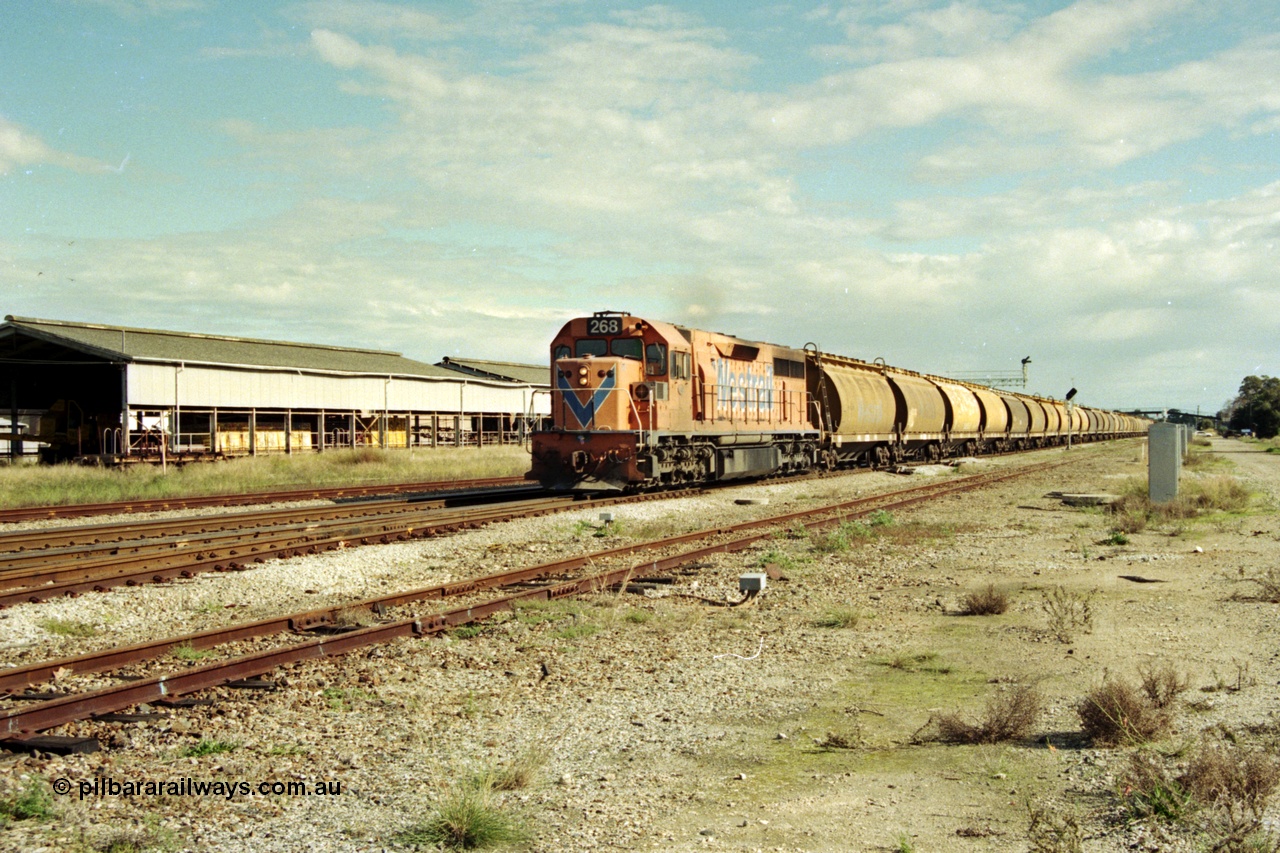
(1176, 416)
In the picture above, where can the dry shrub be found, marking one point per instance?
(1162, 683)
(1068, 612)
(1118, 713)
(1239, 781)
(1269, 585)
(1223, 791)
(1009, 715)
(987, 601)
(841, 740)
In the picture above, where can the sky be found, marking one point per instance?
(949, 186)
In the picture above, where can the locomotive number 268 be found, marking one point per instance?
(604, 326)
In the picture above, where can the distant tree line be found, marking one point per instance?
(1256, 407)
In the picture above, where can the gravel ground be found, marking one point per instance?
(657, 722)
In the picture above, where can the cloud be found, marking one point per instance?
(19, 147)
(383, 19)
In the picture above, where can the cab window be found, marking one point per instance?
(591, 346)
(628, 348)
(561, 352)
(655, 359)
(681, 365)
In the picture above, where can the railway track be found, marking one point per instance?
(127, 507)
(101, 558)
(557, 579)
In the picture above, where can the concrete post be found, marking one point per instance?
(1164, 464)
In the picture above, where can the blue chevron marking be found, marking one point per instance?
(586, 413)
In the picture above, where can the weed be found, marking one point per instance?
(209, 608)
(354, 617)
(1162, 683)
(577, 631)
(796, 531)
(1242, 680)
(1117, 713)
(1010, 715)
(466, 819)
(1149, 790)
(987, 601)
(917, 662)
(518, 774)
(466, 632)
(841, 740)
(209, 747)
(902, 843)
(346, 698)
(1053, 832)
(880, 518)
(33, 802)
(185, 651)
(638, 617)
(838, 617)
(1067, 612)
(67, 627)
(781, 559)
(1117, 537)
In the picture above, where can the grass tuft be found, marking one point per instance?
(466, 819)
(1067, 612)
(838, 617)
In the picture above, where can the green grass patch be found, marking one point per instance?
(347, 698)
(577, 631)
(184, 651)
(209, 747)
(31, 802)
(53, 485)
(68, 627)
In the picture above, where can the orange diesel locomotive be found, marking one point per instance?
(639, 404)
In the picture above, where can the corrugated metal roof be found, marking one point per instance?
(121, 343)
(533, 374)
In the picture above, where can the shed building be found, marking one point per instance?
(82, 389)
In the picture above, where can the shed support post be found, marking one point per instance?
(320, 431)
(288, 432)
(353, 429)
(457, 430)
(126, 437)
(253, 432)
(435, 430)
(213, 430)
(15, 444)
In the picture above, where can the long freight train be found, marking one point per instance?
(640, 404)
